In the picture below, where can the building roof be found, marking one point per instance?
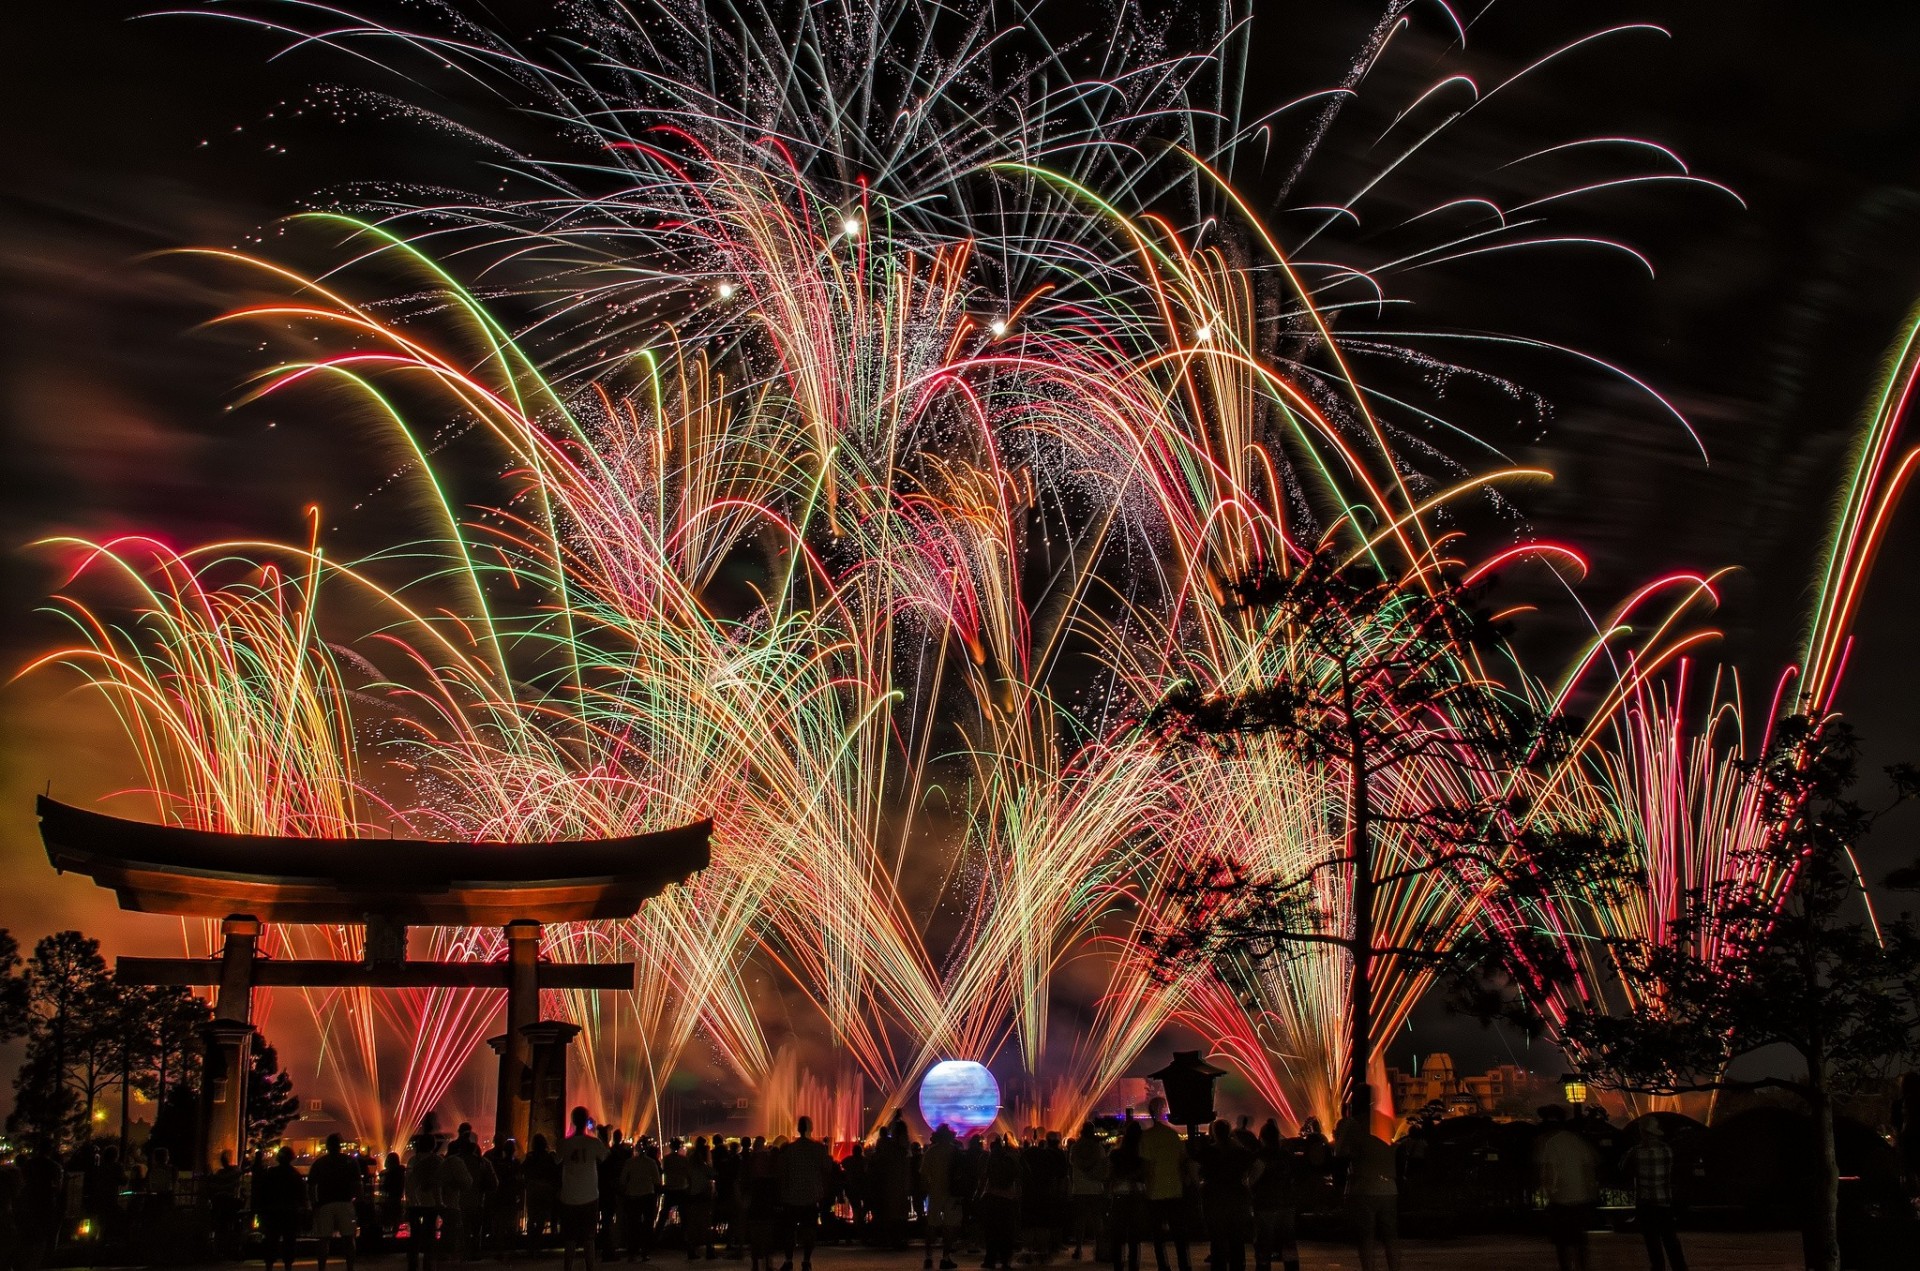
(171, 870)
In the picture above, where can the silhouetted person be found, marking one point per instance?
(163, 1180)
(699, 1202)
(857, 1188)
(335, 1182)
(580, 1155)
(1087, 1189)
(422, 1180)
(459, 1199)
(969, 1167)
(916, 1186)
(508, 1197)
(13, 1189)
(762, 1202)
(1165, 1156)
(477, 1200)
(1906, 1127)
(1650, 1162)
(1372, 1183)
(943, 1207)
(366, 1209)
(1046, 1193)
(102, 1178)
(277, 1203)
(727, 1162)
(1276, 1202)
(619, 1152)
(640, 1201)
(542, 1173)
(804, 1169)
(256, 1170)
(393, 1196)
(1225, 1198)
(222, 1190)
(1127, 1199)
(673, 1185)
(1000, 1205)
(1569, 1173)
(890, 1183)
(41, 1207)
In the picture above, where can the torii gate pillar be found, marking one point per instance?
(228, 1043)
(513, 1103)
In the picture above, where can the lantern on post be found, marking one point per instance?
(1188, 1081)
(1574, 1087)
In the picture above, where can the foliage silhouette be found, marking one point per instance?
(1802, 967)
(1385, 692)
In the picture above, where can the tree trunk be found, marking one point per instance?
(1820, 1236)
(90, 1087)
(1360, 1005)
(1359, 847)
(63, 1127)
(59, 1122)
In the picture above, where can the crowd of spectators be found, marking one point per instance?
(1105, 1194)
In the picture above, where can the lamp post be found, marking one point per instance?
(1574, 1087)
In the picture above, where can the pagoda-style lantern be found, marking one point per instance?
(1188, 1081)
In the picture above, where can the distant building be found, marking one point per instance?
(307, 1133)
(1131, 1093)
(1437, 1081)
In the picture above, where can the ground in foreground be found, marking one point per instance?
(1706, 1251)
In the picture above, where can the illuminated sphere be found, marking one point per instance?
(960, 1093)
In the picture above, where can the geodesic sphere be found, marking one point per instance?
(960, 1093)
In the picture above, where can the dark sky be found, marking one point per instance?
(1765, 326)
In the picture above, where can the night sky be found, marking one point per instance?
(1765, 326)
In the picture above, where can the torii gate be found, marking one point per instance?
(386, 884)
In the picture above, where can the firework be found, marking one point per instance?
(882, 449)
